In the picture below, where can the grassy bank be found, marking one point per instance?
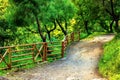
(109, 65)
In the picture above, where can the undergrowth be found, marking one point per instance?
(91, 36)
(109, 64)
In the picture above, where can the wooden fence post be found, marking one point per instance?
(62, 49)
(67, 39)
(79, 36)
(45, 51)
(33, 55)
(72, 36)
(10, 58)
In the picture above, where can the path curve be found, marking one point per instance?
(80, 63)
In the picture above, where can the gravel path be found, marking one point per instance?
(80, 63)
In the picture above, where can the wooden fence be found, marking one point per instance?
(25, 54)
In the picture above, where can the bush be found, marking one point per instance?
(109, 64)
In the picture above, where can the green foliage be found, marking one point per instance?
(83, 35)
(96, 34)
(109, 65)
(86, 19)
(6, 30)
(18, 24)
(43, 13)
(91, 36)
(3, 5)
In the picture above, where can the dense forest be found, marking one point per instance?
(31, 21)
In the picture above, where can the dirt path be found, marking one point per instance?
(80, 63)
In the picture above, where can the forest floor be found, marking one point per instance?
(81, 63)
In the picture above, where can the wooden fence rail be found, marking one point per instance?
(21, 55)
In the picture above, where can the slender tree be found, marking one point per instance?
(112, 8)
(43, 13)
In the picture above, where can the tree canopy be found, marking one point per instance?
(48, 19)
(44, 13)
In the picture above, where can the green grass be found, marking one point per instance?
(56, 49)
(83, 35)
(91, 36)
(109, 65)
(96, 34)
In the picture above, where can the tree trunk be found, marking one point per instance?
(111, 24)
(66, 25)
(112, 7)
(116, 26)
(104, 25)
(114, 16)
(49, 31)
(103, 2)
(64, 31)
(39, 30)
(86, 27)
